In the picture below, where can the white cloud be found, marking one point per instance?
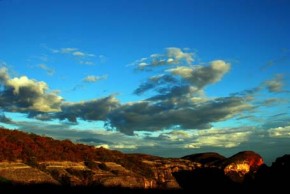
(81, 56)
(64, 50)
(201, 76)
(106, 146)
(124, 146)
(176, 55)
(172, 56)
(280, 132)
(24, 94)
(78, 54)
(219, 138)
(93, 78)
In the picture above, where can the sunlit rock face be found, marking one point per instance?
(164, 169)
(18, 172)
(242, 164)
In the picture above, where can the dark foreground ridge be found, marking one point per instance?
(35, 164)
(54, 189)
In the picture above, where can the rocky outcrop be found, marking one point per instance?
(219, 173)
(18, 172)
(236, 167)
(164, 169)
(242, 164)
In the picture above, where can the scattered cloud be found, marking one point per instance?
(273, 101)
(281, 60)
(172, 56)
(227, 138)
(94, 78)
(124, 146)
(280, 132)
(86, 62)
(64, 50)
(176, 136)
(200, 76)
(81, 56)
(276, 84)
(106, 146)
(277, 120)
(73, 51)
(47, 69)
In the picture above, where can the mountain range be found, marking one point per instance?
(32, 163)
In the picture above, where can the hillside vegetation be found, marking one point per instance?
(17, 145)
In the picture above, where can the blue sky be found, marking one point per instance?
(163, 77)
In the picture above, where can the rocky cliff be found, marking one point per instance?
(108, 174)
(152, 172)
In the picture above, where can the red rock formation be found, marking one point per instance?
(241, 164)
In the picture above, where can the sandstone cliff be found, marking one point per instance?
(151, 173)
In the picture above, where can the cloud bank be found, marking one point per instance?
(176, 97)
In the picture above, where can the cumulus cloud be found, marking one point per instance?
(176, 55)
(184, 81)
(201, 76)
(24, 95)
(178, 98)
(94, 78)
(92, 110)
(276, 84)
(150, 116)
(172, 56)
